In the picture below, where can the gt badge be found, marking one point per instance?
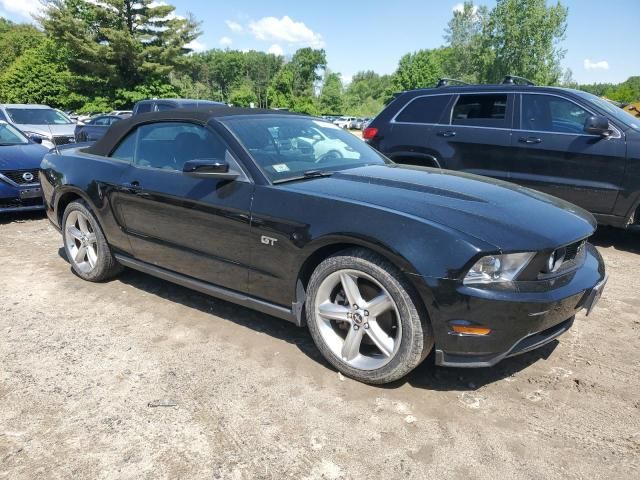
(268, 240)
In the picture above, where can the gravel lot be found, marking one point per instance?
(81, 362)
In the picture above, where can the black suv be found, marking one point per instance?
(564, 142)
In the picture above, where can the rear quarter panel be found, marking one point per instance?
(95, 179)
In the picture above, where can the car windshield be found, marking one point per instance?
(11, 136)
(37, 116)
(616, 112)
(287, 148)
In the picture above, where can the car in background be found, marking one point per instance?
(383, 262)
(20, 159)
(121, 113)
(344, 122)
(44, 124)
(563, 142)
(365, 122)
(95, 128)
(161, 104)
(321, 144)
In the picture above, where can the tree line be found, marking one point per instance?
(97, 56)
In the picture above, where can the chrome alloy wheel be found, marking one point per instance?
(81, 241)
(357, 319)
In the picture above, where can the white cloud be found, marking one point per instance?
(196, 46)
(225, 41)
(285, 30)
(346, 78)
(234, 26)
(276, 50)
(601, 65)
(24, 8)
(459, 7)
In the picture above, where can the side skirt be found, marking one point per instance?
(209, 289)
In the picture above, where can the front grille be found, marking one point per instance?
(63, 139)
(17, 176)
(17, 203)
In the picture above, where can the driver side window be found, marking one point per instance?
(168, 145)
(547, 113)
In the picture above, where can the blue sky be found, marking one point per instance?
(601, 43)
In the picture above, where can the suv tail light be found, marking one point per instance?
(369, 133)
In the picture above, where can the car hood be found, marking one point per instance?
(507, 216)
(48, 130)
(18, 157)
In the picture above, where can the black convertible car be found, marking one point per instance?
(292, 216)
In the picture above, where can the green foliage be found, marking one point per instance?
(464, 36)
(15, 39)
(421, 69)
(522, 38)
(330, 100)
(107, 54)
(39, 75)
(243, 95)
(625, 92)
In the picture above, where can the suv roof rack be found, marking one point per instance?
(444, 82)
(516, 80)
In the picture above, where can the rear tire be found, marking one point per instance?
(378, 341)
(85, 245)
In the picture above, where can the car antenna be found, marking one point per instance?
(53, 140)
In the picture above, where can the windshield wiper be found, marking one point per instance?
(306, 174)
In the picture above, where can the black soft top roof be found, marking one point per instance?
(201, 115)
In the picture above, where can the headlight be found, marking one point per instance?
(497, 268)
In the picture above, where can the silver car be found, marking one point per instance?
(41, 123)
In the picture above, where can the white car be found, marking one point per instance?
(322, 145)
(345, 122)
(41, 123)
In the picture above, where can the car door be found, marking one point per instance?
(556, 156)
(476, 137)
(410, 139)
(195, 226)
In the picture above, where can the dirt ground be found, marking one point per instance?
(81, 362)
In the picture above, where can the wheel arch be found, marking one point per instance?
(328, 246)
(65, 197)
(416, 158)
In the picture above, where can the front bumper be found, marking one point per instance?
(20, 198)
(520, 319)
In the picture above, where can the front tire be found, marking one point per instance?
(364, 319)
(85, 245)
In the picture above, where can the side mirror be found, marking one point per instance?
(215, 169)
(36, 139)
(597, 125)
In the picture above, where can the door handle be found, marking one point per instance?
(447, 133)
(530, 140)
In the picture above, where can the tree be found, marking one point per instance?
(15, 39)
(330, 100)
(119, 44)
(420, 69)
(243, 95)
(464, 37)
(365, 94)
(293, 86)
(522, 38)
(40, 75)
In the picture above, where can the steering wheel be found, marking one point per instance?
(330, 155)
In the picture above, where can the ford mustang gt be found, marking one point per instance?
(383, 263)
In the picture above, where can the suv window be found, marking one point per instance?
(424, 109)
(168, 145)
(548, 113)
(161, 107)
(143, 107)
(487, 110)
